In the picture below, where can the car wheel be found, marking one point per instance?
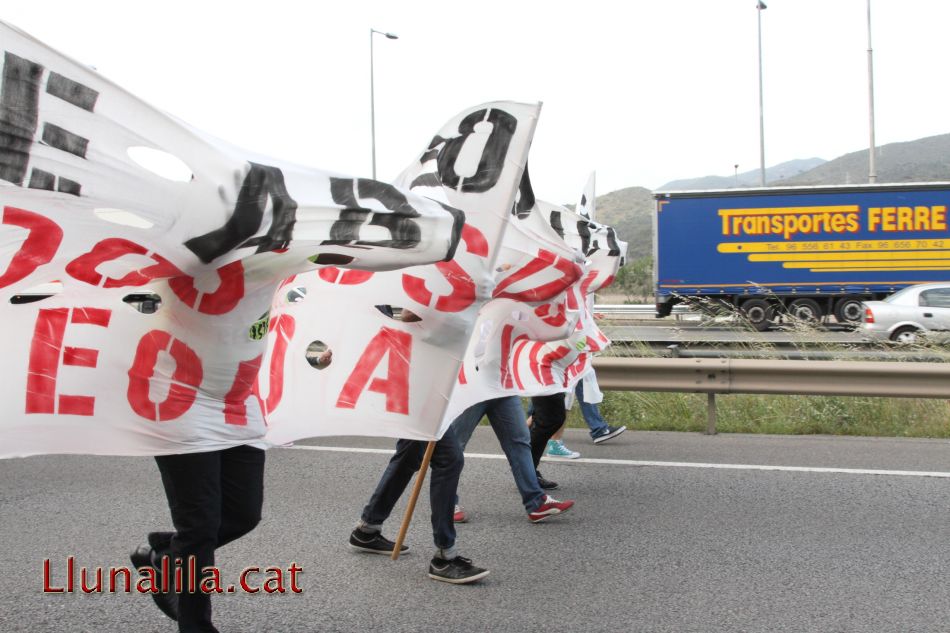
(759, 313)
(905, 335)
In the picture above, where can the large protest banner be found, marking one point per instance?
(252, 263)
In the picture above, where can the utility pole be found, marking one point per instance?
(872, 170)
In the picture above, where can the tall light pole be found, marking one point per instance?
(759, 7)
(372, 93)
(872, 170)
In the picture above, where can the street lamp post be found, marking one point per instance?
(872, 170)
(759, 7)
(372, 94)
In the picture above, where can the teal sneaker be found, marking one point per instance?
(557, 450)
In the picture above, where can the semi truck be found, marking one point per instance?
(810, 253)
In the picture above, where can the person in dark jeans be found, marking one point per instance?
(547, 417)
(447, 462)
(214, 498)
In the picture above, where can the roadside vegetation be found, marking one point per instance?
(778, 415)
(786, 415)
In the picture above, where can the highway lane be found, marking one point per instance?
(661, 540)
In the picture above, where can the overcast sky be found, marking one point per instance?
(640, 91)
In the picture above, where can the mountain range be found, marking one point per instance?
(630, 210)
(773, 174)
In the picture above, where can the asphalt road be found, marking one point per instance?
(671, 532)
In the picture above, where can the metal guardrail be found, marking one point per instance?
(780, 377)
(888, 355)
(645, 309)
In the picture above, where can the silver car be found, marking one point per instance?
(908, 314)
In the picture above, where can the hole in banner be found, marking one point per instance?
(319, 355)
(330, 259)
(160, 163)
(144, 302)
(399, 314)
(37, 293)
(125, 218)
(296, 295)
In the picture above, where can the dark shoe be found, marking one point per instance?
(458, 571)
(546, 484)
(373, 543)
(548, 508)
(609, 433)
(144, 556)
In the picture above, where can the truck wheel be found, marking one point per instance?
(849, 310)
(759, 313)
(905, 335)
(806, 310)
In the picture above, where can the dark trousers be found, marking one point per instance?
(214, 498)
(447, 462)
(548, 416)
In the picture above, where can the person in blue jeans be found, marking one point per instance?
(507, 420)
(600, 431)
(447, 462)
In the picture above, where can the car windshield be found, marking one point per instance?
(899, 294)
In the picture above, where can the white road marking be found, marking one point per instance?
(632, 462)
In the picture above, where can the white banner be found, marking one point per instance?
(163, 292)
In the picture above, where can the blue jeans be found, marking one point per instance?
(508, 422)
(447, 462)
(591, 412)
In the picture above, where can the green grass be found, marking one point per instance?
(780, 415)
(785, 415)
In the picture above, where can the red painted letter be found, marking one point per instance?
(230, 290)
(183, 382)
(84, 267)
(463, 287)
(235, 407)
(45, 351)
(395, 386)
(284, 326)
(38, 248)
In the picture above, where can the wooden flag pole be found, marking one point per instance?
(411, 507)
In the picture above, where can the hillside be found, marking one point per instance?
(630, 210)
(923, 160)
(750, 178)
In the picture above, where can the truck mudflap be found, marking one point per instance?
(664, 308)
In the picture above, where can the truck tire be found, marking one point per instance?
(905, 335)
(849, 309)
(806, 310)
(759, 313)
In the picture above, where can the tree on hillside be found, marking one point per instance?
(635, 281)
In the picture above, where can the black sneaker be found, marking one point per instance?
(458, 571)
(546, 484)
(144, 556)
(609, 433)
(373, 542)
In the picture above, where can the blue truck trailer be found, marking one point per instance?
(806, 252)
